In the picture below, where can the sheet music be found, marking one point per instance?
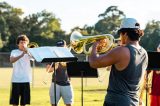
(49, 52)
(62, 52)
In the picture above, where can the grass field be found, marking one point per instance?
(93, 95)
(94, 89)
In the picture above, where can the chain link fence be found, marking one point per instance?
(4, 59)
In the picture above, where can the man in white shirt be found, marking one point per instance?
(21, 75)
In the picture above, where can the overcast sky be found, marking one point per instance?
(80, 12)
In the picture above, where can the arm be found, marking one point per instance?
(49, 67)
(14, 59)
(58, 65)
(103, 60)
(63, 65)
(110, 58)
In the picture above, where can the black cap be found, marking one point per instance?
(61, 43)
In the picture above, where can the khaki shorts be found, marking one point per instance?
(66, 92)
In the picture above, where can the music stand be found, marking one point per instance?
(52, 54)
(153, 64)
(82, 70)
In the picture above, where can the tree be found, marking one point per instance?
(151, 38)
(110, 21)
(1, 43)
(10, 24)
(43, 26)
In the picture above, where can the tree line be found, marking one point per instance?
(44, 27)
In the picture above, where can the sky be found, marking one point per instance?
(74, 13)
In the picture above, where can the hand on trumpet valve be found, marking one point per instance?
(101, 44)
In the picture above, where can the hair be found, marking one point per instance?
(22, 38)
(133, 33)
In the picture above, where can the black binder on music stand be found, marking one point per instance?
(52, 54)
(153, 60)
(76, 69)
(153, 64)
(81, 70)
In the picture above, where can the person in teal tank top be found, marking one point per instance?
(129, 62)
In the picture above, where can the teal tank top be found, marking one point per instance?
(124, 85)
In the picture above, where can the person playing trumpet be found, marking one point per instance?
(129, 62)
(21, 75)
(63, 86)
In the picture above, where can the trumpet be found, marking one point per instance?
(32, 45)
(78, 42)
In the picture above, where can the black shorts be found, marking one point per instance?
(20, 92)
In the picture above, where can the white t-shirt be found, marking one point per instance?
(21, 68)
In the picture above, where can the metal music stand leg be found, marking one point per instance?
(147, 89)
(82, 87)
(83, 69)
(33, 70)
(54, 84)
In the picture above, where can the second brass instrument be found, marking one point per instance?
(32, 45)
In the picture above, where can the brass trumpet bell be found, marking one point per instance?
(79, 42)
(32, 45)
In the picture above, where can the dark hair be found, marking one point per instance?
(22, 38)
(61, 43)
(132, 33)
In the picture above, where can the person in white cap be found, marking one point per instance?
(129, 62)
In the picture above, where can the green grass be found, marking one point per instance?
(40, 96)
(93, 94)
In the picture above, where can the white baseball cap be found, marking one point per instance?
(129, 23)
